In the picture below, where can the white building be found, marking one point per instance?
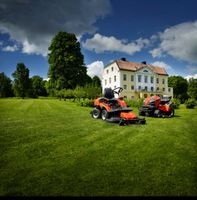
(139, 80)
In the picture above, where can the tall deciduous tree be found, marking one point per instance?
(5, 86)
(37, 86)
(21, 80)
(66, 62)
(192, 88)
(180, 86)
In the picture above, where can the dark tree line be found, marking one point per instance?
(23, 86)
(182, 88)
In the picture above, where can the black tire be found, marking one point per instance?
(172, 113)
(157, 113)
(96, 113)
(141, 113)
(147, 114)
(104, 115)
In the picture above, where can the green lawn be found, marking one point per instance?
(52, 147)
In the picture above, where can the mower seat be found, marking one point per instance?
(108, 93)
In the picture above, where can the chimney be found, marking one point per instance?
(144, 62)
(123, 59)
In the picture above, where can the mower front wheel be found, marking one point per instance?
(104, 114)
(96, 113)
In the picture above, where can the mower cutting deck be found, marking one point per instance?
(114, 110)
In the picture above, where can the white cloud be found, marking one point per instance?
(95, 69)
(179, 41)
(100, 44)
(10, 48)
(34, 23)
(191, 76)
(192, 69)
(161, 64)
(156, 53)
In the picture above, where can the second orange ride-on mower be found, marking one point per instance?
(157, 106)
(115, 110)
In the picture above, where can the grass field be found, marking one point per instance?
(52, 147)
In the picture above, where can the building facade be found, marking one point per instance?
(139, 80)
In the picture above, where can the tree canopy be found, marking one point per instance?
(96, 81)
(192, 88)
(180, 86)
(37, 86)
(21, 80)
(5, 86)
(66, 63)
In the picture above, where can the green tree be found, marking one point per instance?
(192, 88)
(21, 80)
(66, 62)
(5, 86)
(96, 81)
(38, 86)
(180, 86)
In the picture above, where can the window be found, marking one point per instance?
(169, 89)
(109, 80)
(163, 81)
(152, 79)
(146, 79)
(105, 82)
(152, 89)
(112, 69)
(132, 87)
(139, 87)
(132, 78)
(125, 87)
(124, 77)
(107, 71)
(145, 70)
(157, 88)
(139, 78)
(157, 80)
(145, 88)
(114, 78)
(132, 97)
(163, 89)
(125, 97)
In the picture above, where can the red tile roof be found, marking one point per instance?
(133, 66)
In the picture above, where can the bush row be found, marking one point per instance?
(87, 92)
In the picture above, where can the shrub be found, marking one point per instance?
(134, 103)
(87, 103)
(176, 103)
(190, 103)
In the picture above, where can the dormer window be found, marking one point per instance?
(145, 70)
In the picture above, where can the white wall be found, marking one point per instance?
(106, 76)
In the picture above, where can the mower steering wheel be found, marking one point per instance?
(119, 90)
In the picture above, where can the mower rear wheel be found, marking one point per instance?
(104, 114)
(96, 113)
(171, 113)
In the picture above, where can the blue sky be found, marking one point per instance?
(161, 32)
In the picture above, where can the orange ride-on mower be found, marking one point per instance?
(157, 106)
(115, 110)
